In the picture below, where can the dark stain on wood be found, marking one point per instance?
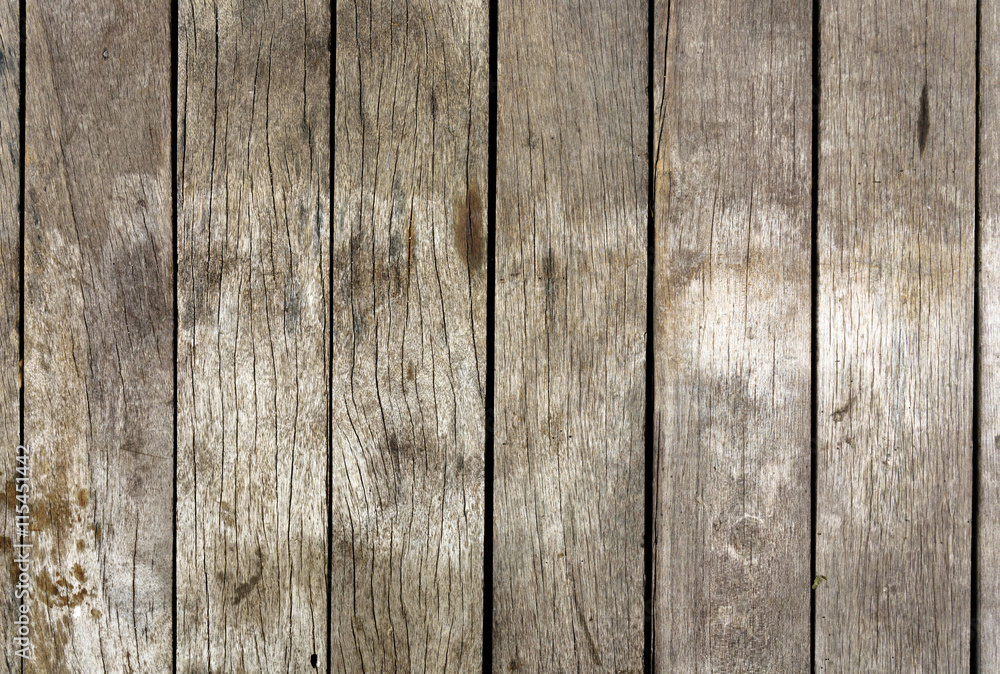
(243, 589)
(924, 125)
(841, 412)
(469, 227)
(81, 498)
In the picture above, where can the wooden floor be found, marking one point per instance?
(527, 336)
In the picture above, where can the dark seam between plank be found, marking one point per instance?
(648, 436)
(331, 105)
(174, 64)
(21, 116)
(974, 567)
(491, 219)
(814, 332)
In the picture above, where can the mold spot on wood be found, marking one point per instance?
(79, 574)
(469, 227)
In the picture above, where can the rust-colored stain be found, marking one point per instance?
(410, 374)
(80, 545)
(79, 574)
(81, 498)
(469, 227)
(10, 494)
(52, 591)
(51, 512)
(96, 614)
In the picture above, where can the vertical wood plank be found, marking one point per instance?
(253, 359)
(732, 143)
(99, 334)
(571, 265)
(896, 231)
(10, 301)
(409, 335)
(987, 631)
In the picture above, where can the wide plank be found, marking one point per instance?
(10, 308)
(253, 335)
(98, 334)
(732, 145)
(571, 272)
(409, 336)
(896, 231)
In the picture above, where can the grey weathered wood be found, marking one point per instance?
(896, 231)
(253, 364)
(987, 631)
(409, 335)
(10, 294)
(732, 145)
(571, 265)
(98, 371)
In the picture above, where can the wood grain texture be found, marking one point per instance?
(253, 337)
(571, 265)
(732, 142)
(10, 301)
(99, 333)
(895, 235)
(409, 337)
(987, 632)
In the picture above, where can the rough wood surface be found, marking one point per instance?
(987, 631)
(571, 265)
(10, 298)
(732, 145)
(98, 277)
(896, 231)
(253, 337)
(409, 337)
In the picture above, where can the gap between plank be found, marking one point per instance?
(974, 568)
(649, 531)
(331, 105)
(22, 20)
(814, 333)
(491, 250)
(174, 59)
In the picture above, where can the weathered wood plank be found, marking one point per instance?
(10, 300)
(987, 631)
(732, 144)
(409, 338)
(98, 371)
(253, 364)
(896, 231)
(571, 265)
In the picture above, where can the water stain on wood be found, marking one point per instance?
(924, 124)
(243, 589)
(469, 227)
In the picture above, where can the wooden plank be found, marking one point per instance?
(98, 371)
(986, 632)
(409, 340)
(10, 302)
(571, 265)
(732, 144)
(894, 409)
(253, 363)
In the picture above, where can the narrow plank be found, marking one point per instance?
(987, 632)
(10, 303)
(253, 336)
(571, 270)
(732, 142)
(98, 371)
(894, 401)
(409, 342)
